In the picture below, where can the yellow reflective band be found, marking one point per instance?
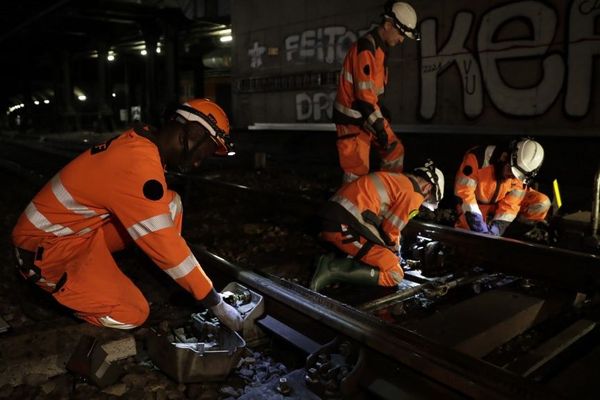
(412, 214)
(557, 198)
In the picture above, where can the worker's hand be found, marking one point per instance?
(382, 138)
(494, 229)
(227, 315)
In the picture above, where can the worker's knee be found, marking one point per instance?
(124, 316)
(391, 277)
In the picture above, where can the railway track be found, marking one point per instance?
(520, 290)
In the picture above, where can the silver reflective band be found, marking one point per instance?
(193, 117)
(393, 165)
(352, 209)
(65, 198)
(175, 206)
(113, 323)
(347, 75)
(375, 115)
(150, 225)
(505, 217)
(38, 220)
(384, 199)
(519, 194)
(464, 181)
(184, 268)
(347, 111)
(468, 207)
(364, 85)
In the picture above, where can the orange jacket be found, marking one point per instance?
(378, 206)
(122, 180)
(478, 183)
(362, 81)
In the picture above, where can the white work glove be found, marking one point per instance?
(227, 315)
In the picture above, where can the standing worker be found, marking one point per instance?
(491, 186)
(110, 196)
(364, 220)
(358, 114)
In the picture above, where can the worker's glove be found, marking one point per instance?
(382, 138)
(476, 222)
(227, 315)
(494, 229)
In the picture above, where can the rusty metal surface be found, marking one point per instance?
(474, 378)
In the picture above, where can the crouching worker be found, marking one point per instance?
(113, 195)
(364, 220)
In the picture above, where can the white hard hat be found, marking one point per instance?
(526, 158)
(404, 18)
(436, 178)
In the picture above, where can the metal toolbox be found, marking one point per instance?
(203, 349)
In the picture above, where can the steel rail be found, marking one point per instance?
(562, 268)
(472, 377)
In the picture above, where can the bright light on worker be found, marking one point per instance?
(37, 103)
(143, 52)
(226, 39)
(82, 97)
(46, 101)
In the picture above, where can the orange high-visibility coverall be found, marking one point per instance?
(535, 206)
(365, 217)
(490, 203)
(107, 197)
(357, 113)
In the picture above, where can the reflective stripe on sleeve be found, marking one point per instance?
(175, 206)
(505, 217)
(38, 220)
(519, 194)
(375, 115)
(347, 75)
(150, 225)
(65, 198)
(347, 111)
(464, 181)
(184, 268)
(364, 85)
(471, 207)
(384, 199)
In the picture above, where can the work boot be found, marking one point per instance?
(330, 269)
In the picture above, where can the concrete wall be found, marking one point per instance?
(482, 66)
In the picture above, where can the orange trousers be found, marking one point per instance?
(380, 257)
(353, 151)
(95, 288)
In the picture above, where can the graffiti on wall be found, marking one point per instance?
(255, 53)
(314, 106)
(480, 70)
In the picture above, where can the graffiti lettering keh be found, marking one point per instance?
(480, 72)
(433, 63)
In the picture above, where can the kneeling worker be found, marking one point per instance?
(113, 195)
(364, 220)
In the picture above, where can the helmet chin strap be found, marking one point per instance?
(187, 153)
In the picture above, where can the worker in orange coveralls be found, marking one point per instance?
(364, 220)
(112, 195)
(491, 187)
(358, 115)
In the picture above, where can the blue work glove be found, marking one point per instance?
(476, 222)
